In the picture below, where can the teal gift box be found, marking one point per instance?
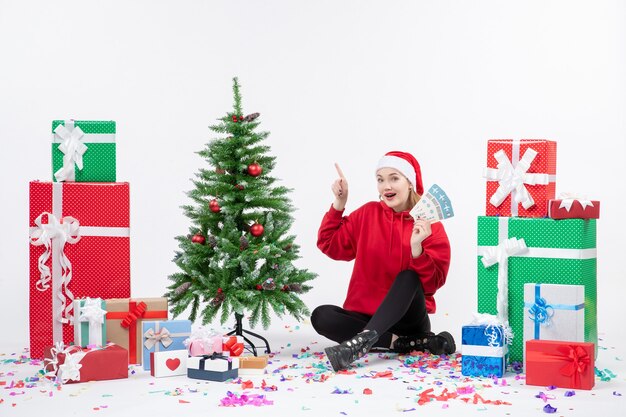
(554, 252)
(83, 151)
(90, 326)
(167, 335)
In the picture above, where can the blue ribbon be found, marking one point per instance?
(541, 312)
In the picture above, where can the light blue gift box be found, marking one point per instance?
(484, 350)
(159, 336)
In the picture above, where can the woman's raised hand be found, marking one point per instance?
(340, 190)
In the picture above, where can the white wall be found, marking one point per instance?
(334, 81)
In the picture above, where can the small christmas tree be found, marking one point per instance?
(238, 255)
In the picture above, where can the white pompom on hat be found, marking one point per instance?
(407, 165)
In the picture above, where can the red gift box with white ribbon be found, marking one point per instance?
(75, 364)
(80, 247)
(570, 206)
(521, 177)
(561, 364)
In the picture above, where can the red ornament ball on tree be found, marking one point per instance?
(239, 187)
(214, 206)
(198, 238)
(255, 169)
(259, 287)
(256, 229)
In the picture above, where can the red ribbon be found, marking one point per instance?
(231, 345)
(576, 360)
(136, 312)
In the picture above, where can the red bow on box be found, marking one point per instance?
(577, 362)
(233, 345)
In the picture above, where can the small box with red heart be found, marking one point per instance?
(168, 363)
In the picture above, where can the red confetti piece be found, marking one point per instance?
(383, 374)
(367, 391)
(345, 372)
(183, 402)
(247, 385)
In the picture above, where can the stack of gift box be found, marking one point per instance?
(536, 272)
(82, 319)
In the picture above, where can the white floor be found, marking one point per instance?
(305, 385)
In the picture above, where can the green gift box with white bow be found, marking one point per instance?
(513, 251)
(83, 151)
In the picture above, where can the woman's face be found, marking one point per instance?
(393, 188)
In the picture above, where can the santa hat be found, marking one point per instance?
(407, 165)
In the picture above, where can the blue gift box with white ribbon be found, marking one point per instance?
(554, 312)
(166, 335)
(484, 350)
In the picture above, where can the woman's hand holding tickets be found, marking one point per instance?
(421, 230)
(340, 190)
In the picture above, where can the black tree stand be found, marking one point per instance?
(239, 331)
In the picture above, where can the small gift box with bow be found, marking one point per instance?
(203, 342)
(570, 206)
(215, 367)
(163, 336)
(168, 363)
(561, 364)
(521, 177)
(554, 312)
(83, 150)
(252, 365)
(233, 345)
(90, 322)
(124, 322)
(484, 350)
(75, 364)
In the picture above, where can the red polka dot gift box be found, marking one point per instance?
(79, 247)
(521, 177)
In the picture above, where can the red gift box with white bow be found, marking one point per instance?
(521, 177)
(75, 364)
(80, 247)
(573, 207)
(561, 364)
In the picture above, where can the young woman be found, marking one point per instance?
(399, 264)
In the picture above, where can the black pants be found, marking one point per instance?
(402, 312)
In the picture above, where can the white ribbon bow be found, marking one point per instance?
(153, 338)
(73, 149)
(567, 199)
(500, 254)
(65, 231)
(70, 369)
(494, 328)
(513, 179)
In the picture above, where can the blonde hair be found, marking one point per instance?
(413, 198)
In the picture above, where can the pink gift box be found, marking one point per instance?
(205, 346)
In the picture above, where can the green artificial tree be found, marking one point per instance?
(238, 257)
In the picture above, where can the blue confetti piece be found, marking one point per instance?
(549, 409)
(570, 393)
